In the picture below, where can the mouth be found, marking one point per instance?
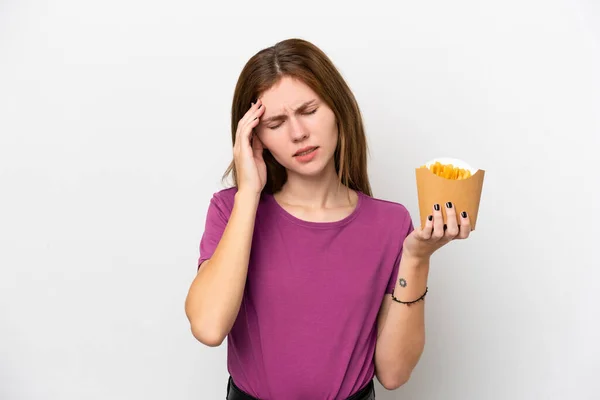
(306, 150)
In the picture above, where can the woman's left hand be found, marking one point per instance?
(422, 243)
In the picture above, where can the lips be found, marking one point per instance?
(305, 150)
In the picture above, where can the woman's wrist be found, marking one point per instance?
(412, 278)
(247, 197)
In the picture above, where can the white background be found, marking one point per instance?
(114, 132)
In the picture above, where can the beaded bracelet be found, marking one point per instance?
(408, 303)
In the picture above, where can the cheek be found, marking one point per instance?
(329, 128)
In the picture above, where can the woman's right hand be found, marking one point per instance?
(247, 152)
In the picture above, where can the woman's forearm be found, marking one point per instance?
(402, 338)
(216, 293)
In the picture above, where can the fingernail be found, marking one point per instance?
(430, 218)
(464, 214)
(436, 207)
(449, 204)
(445, 226)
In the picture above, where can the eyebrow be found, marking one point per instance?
(283, 117)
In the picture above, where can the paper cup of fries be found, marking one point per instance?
(448, 179)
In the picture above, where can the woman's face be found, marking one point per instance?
(296, 119)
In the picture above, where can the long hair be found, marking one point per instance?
(300, 59)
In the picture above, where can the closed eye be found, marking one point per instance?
(306, 113)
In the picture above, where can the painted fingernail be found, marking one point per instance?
(430, 218)
(449, 204)
(436, 207)
(464, 214)
(445, 226)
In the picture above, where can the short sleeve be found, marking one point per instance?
(217, 217)
(407, 228)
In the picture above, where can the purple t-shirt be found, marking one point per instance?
(307, 325)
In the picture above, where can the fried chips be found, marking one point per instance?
(448, 171)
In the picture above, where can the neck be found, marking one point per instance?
(320, 191)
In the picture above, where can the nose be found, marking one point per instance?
(298, 132)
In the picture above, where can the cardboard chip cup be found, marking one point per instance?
(465, 194)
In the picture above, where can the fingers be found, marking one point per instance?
(242, 128)
(465, 226)
(427, 230)
(253, 114)
(436, 230)
(259, 109)
(250, 114)
(438, 223)
(248, 122)
(451, 227)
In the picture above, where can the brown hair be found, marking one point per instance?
(300, 59)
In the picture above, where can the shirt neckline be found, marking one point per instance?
(314, 224)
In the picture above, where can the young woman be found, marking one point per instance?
(317, 285)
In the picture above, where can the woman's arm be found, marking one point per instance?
(215, 295)
(401, 327)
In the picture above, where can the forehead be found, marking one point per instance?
(287, 92)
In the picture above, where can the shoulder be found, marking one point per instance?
(225, 195)
(386, 212)
(223, 200)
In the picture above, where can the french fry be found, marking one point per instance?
(448, 171)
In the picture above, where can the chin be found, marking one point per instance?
(313, 169)
(308, 172)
